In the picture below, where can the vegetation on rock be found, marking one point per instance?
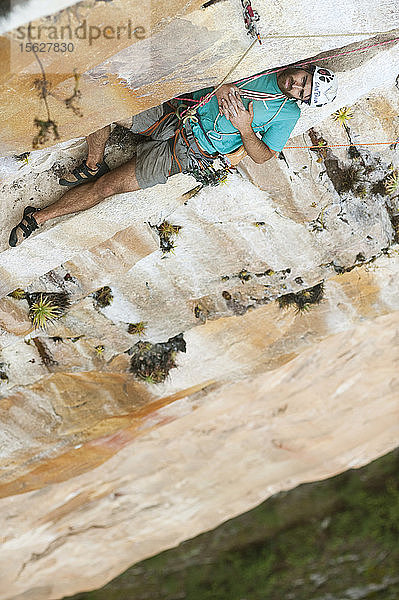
(3, 373)
(137, 328)
(166, 232)
(342, 115)
(103, 296)
(392, 183)
(18, 294)
(46, 307)
(304, 299)
(152, 362)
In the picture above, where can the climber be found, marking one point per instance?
(255, 115)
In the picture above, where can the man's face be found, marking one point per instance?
(295, 83)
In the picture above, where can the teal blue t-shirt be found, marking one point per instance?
(226, 138)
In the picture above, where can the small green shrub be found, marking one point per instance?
(342, 115)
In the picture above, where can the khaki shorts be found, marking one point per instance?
(154, 158)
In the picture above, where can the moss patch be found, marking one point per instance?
(152, 362)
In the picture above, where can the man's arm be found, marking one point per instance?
(235, 111)
(254, 147)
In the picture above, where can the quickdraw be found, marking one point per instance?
(207, 169)
(251, 17)
(209, 175)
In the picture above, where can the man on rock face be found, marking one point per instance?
(258, 113)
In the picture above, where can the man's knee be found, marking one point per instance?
(106, 186)
(120, 180)
(127, 123)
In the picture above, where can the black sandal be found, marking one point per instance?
(27, 227)
(83, 174)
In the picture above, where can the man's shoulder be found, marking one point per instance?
(291, 111)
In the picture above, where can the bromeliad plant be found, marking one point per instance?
(303, 299)
(392, 183)
(342, 115)
(46, 308)
(166, 232)
(137, 328)
(103, 296)
(18, 294)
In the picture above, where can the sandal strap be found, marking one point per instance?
(31, 223)
(80, 170)
(25, 230)
(27, 225)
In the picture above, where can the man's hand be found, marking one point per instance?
(238, 115)
(222, 94)
(231, 106)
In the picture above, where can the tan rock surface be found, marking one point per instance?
(221, 454)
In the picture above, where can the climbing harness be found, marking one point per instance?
(251, 17)
(207, 169)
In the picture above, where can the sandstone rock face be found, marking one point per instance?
(275, 317)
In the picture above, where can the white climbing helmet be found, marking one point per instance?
(324, 87)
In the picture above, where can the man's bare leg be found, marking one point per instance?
(96, 142)
(96, 145)
(120, 180)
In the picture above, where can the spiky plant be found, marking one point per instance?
(44, 312)
(392, 183)
(303, 299)
(168, 229)
(24, 157)
(18, 294)
(100, 349)
(342, 115)
(137, 328)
